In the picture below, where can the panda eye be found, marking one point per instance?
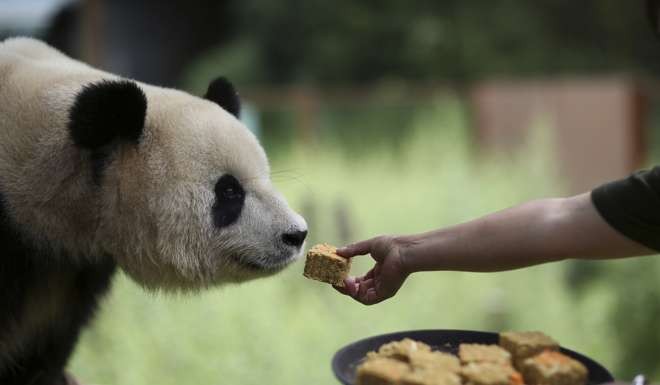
(229, 199)
(230, 192)
(229, 188)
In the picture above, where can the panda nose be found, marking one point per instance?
(294, 238)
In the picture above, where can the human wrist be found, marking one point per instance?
(404, 245)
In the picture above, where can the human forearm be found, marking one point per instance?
(529, 234)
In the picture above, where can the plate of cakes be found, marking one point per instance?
(463, 357)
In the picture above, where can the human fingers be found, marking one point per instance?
(361, 291)
(352, 282)
(350, 287)
(363, 287)
(371, 297)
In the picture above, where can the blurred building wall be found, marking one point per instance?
(597, 123)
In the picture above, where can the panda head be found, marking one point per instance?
(182, 188)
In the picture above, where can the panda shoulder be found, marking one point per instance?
(30, 48)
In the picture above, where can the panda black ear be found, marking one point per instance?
(222, 92)
(107, 110)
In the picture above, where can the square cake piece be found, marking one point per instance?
(523, 345)
(400, 350)
(430, 377)
(483, 353)
(323, 264)
(553, 368)
(436, 361)
(380, 371)
(488, 373)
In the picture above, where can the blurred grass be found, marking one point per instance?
(285, 329)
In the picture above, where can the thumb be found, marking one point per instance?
(357, 248)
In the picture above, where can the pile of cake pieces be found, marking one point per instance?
(530, 358)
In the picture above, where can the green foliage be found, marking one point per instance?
(635, 314)
(285, 329)
(349, 42)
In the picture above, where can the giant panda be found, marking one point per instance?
(99, 172)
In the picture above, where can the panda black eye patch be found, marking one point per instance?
(229, 200)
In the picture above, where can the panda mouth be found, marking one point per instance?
(270, 264)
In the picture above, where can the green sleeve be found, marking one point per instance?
(632, 206)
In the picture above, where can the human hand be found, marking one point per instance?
(384, 279)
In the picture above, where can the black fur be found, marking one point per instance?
(222, 92)
(24, 270)
(229, 200)
(106, 111)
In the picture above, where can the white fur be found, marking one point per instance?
(152, 213)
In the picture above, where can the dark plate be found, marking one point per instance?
(349, 357)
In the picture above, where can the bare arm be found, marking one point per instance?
(532, 233)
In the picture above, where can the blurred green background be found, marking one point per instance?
(367, 112)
